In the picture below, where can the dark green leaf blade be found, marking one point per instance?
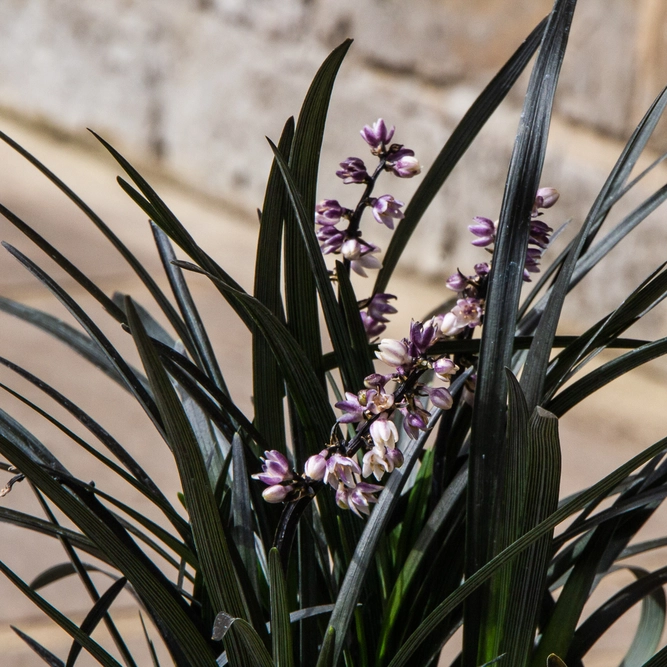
(281, 632)
(457, 144)
(268, 384)
(95, 615)
(70, 628)
(222, 581)
(506, 279)
(317, 268)
(43, 653)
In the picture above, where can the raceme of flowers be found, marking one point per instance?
(376, 407)
(338, 228)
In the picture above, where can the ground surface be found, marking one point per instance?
(596, 436)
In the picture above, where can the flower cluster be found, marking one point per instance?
(485, 231)
(338, 228)
(398, 396)
(374, 409)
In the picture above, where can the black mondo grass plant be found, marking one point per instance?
(385, 494)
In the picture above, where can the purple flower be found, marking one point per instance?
(415, 419)
(545, 198)
(457, 282)
(532, 263)
(374, 319)
(384, 433)
(395, 457)
(485, 230)
(275, 469)
(353, 170)
(386, 209)
(379, 306)
(440, 397)
(360, 256)
(466, 313)
(331, 239)
(376, 463)
(377, 136)
(482, 269)
(359, 498)
(422, 336)
(340, 470)
(403, 163)
(328, 212)
(444, 368)
(372, 326)
(539, 233)
(353, 409)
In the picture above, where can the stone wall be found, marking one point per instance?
(195, 85)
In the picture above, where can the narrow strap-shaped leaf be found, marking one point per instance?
(63, 570)
(363, 363)
(95, 615)
(400, 594)
(181, 368)
(65, 264)
(222, 582)
(244, 538)
(529, 570)
(141, 479)
(23, 520)
(332, 314)
(647, 589)
(580, 501)
(537, 360)
(300, 295)
(142, 396)
(252, 652)
(579, 390)
(76, 340)
(315, 413)
(506, 279)
(613, 188)
(457, 144)
(326, 657)
(82, 571)
(268, 384)
(21, 437)
(149, 642)
(203, 351)
(43, 653)
(132, 261)
(70, 628)
(281, 632)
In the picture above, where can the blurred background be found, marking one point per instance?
(188, 89)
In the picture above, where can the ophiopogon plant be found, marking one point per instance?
(386, 493)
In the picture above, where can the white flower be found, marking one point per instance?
(384, 433)
(341, 469)
(376, 463)
(393, 352)
(360, 256)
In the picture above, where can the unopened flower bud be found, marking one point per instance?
(353, 170)
(393, 352)
(441, 398)
(395, 457)
(406, 166)
(546, 198)
(315, 467)
(276, 493)
(444, 368)
(377, 135)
